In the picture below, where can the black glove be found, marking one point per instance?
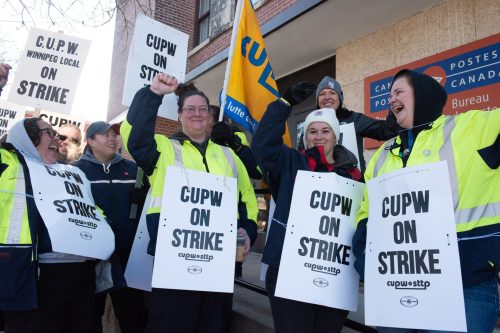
(297, 93)
(138, 195)
(223, 135)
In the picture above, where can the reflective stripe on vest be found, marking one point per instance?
(18, 210)
(178, 162)
(446, 154)
(227, 153)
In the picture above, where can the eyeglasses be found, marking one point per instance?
(72, 140)
(191, 109)
(52, 133)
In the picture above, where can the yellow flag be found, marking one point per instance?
(249, 84)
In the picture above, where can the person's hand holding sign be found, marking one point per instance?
(163, 84)
(242, 234)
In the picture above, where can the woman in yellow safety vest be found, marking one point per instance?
(470, 144)
(184, 310)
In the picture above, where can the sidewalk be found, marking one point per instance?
(252, 311)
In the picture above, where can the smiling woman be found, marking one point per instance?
(191, 148)
(44, 138)
(36, 295)
(280, 165)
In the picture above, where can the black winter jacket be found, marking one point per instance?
(113, 189)
(280, 165)
(366, 127)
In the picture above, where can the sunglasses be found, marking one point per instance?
(72, 140)
(52, 133)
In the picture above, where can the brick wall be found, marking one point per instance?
(166, 126)
(178, 14)
(266, 12)
(182, 16)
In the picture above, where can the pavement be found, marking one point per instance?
(252, 311)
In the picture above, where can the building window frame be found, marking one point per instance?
(203, 21)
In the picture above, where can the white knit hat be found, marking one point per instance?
(324, 115)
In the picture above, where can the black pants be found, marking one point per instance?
(298, 317)
(66, 297)
(186, 311)
(21, 321)
(129, 307)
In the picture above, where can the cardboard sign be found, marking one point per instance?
(469, 74)
(317, 264)
(139, 270)
(10, 113)
(64, 199)
(196, 245)
(348, 139)
(155, 48)
(57, 120)
(49, 70)
(412, 272)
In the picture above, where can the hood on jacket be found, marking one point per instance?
(430, 96)
(88, 156)
(19, 138)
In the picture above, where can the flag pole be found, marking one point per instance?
(236, 24)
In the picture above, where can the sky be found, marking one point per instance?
(91, 99)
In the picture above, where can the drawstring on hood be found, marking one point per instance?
(430, 99)
(88, 156)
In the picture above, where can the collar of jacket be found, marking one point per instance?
(317, 161)
(181, 137)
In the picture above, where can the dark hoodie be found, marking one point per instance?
(430, 99)
(113, 189)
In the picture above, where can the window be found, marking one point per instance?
(203, 20)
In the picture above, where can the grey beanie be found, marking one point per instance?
(330, 83)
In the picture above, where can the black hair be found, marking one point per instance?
(187, 90)
(32, 129)
(215, 110)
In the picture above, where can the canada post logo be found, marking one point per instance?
(320, 282)
(463, 72)
(193, 269)
(86, 235)
(408, 301)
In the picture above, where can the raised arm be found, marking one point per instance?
(137, 130)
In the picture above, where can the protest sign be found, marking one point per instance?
(196, 243)
(139, 270)
(10, 114)
(412, 273)
(155, 48)
(317, 263)
(348, 139)
(57, 120)
(49, 70)
(64, 199)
